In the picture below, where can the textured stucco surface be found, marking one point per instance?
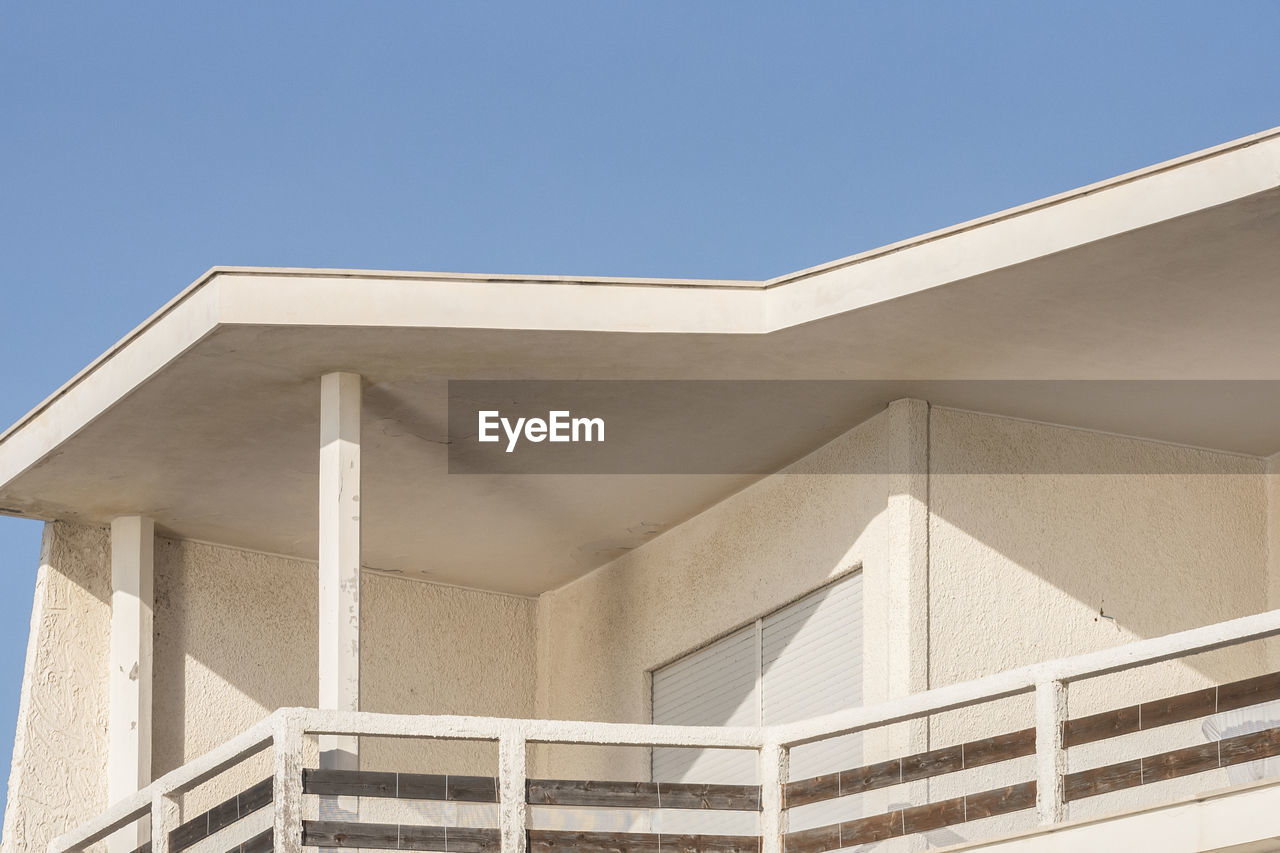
(443, 650)
(235, 638)
(768, 544)
(1028, 563)
(58, 777)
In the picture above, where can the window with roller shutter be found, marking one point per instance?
(800, 661)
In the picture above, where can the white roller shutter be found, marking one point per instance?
(812, 665)
(714, 686)
(801, 661)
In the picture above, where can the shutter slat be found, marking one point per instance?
(811, 659)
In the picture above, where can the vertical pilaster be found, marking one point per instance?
(1272, 487)
(339, 563)
(907, 576)
(129, 682)
(906, 579)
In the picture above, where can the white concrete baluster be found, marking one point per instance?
(1051, 758)
(165, 817)
(774, 770)
(513, 812)
(287, 785)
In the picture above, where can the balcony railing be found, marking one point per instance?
(770, 802)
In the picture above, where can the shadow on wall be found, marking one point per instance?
(1026, 564)
(235, 638)
(1030, 560)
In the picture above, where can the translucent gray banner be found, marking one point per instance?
(758, 427)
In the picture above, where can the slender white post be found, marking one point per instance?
(512, 810)
(774, 760)
(340, 561)
(129, 682)
(165, 818)
(1051, 758)
(287, 785)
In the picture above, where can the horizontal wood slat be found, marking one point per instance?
(1174, 709)
(922, 765)
(1148, 715)
(449, 839)
(404, 786)
(220, 816)
(651, 795)
(391, 836)
(548, 792)
(561, 841)
(911, 820)
(1171, 765)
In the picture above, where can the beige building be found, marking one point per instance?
(974, 543)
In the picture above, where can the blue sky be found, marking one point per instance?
(142, 143)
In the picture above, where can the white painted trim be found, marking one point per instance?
(451, 727)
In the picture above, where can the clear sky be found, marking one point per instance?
(142, 143)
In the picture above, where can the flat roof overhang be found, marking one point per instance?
(206, 416)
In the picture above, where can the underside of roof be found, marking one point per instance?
(206, 416)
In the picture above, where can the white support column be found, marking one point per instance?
(129, 716)
(1051, 758)
(340, 560)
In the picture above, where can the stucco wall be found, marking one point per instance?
(235, 638)
(1034, 554)
(435, 649)
(772, 542)
(58, 776)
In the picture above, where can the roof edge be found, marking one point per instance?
(1029, 207)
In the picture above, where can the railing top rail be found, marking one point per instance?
(128, 809)
(1024, 679)
(369, 723)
